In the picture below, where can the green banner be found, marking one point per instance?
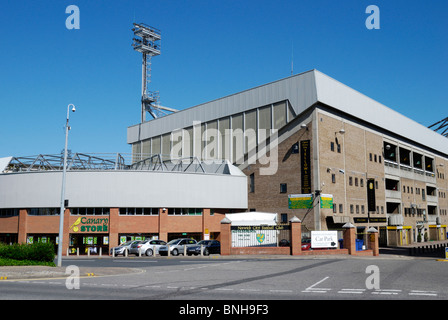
(326, 201)
(300, 201)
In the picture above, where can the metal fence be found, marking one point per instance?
(261, 236)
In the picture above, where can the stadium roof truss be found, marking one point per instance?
(118, 161)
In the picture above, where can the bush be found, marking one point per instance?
(43, 252)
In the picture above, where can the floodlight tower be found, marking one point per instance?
(147, 41)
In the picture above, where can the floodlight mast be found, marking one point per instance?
(147, 41)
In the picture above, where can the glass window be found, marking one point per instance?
(264, 119)
(250, 130)
(279, 115)
(155, 145)
(224, 135)
(237, 138)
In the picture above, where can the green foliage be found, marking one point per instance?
(41, 252)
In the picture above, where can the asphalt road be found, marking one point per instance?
(196, 279)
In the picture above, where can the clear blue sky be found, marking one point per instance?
(209, 49)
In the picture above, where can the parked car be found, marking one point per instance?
(209, 246)
(306, 244)
(146, 247)
(123, 248)
(177, 246)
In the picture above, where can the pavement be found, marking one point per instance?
(43, 272)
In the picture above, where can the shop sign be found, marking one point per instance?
(85, 224)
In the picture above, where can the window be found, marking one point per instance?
(184, 211)
(9, 212)
(340, 208)
(138, 211)
(284, 217)
(89, 211)
(283, 187)
(252, 183)
(332, 146)
(333, 178)
(334, 207)
(44, 211)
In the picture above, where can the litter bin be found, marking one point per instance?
(359, 244)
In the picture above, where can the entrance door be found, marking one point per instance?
(89, 243)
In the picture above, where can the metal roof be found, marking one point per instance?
(302, 91)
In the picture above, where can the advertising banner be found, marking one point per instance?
(300, 201)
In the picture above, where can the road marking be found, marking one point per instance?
(353, 291)
(319, 290)
(387, 291)
(423, 293)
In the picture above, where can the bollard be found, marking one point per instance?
(77, 252)
(139, 252)
(202, 250)
(185, 251)
(169, 253)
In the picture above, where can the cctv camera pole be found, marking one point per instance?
(64, 171)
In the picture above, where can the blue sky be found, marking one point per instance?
(209, 49)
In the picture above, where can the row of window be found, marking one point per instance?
(356, 208)
(8, 212)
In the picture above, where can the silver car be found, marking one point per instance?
(122, 248)
(147, 247)
(177, 246)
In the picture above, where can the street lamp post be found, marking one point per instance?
(64, 171)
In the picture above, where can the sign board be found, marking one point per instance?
(326, 201)
(85, 224)
(300, 201)
(324, 239)
(305, 164)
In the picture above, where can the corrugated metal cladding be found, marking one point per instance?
(302, 91)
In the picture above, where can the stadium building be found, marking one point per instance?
(317, 149)
(109, 201)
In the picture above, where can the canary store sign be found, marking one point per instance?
(84, 224)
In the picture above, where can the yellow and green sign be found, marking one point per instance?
(300, 201)
(85, 224)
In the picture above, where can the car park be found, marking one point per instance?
(306, 244)
(208, 247)
(147, 247)
(177, 246)
(123, 248)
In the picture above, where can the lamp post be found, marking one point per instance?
(64, 171)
